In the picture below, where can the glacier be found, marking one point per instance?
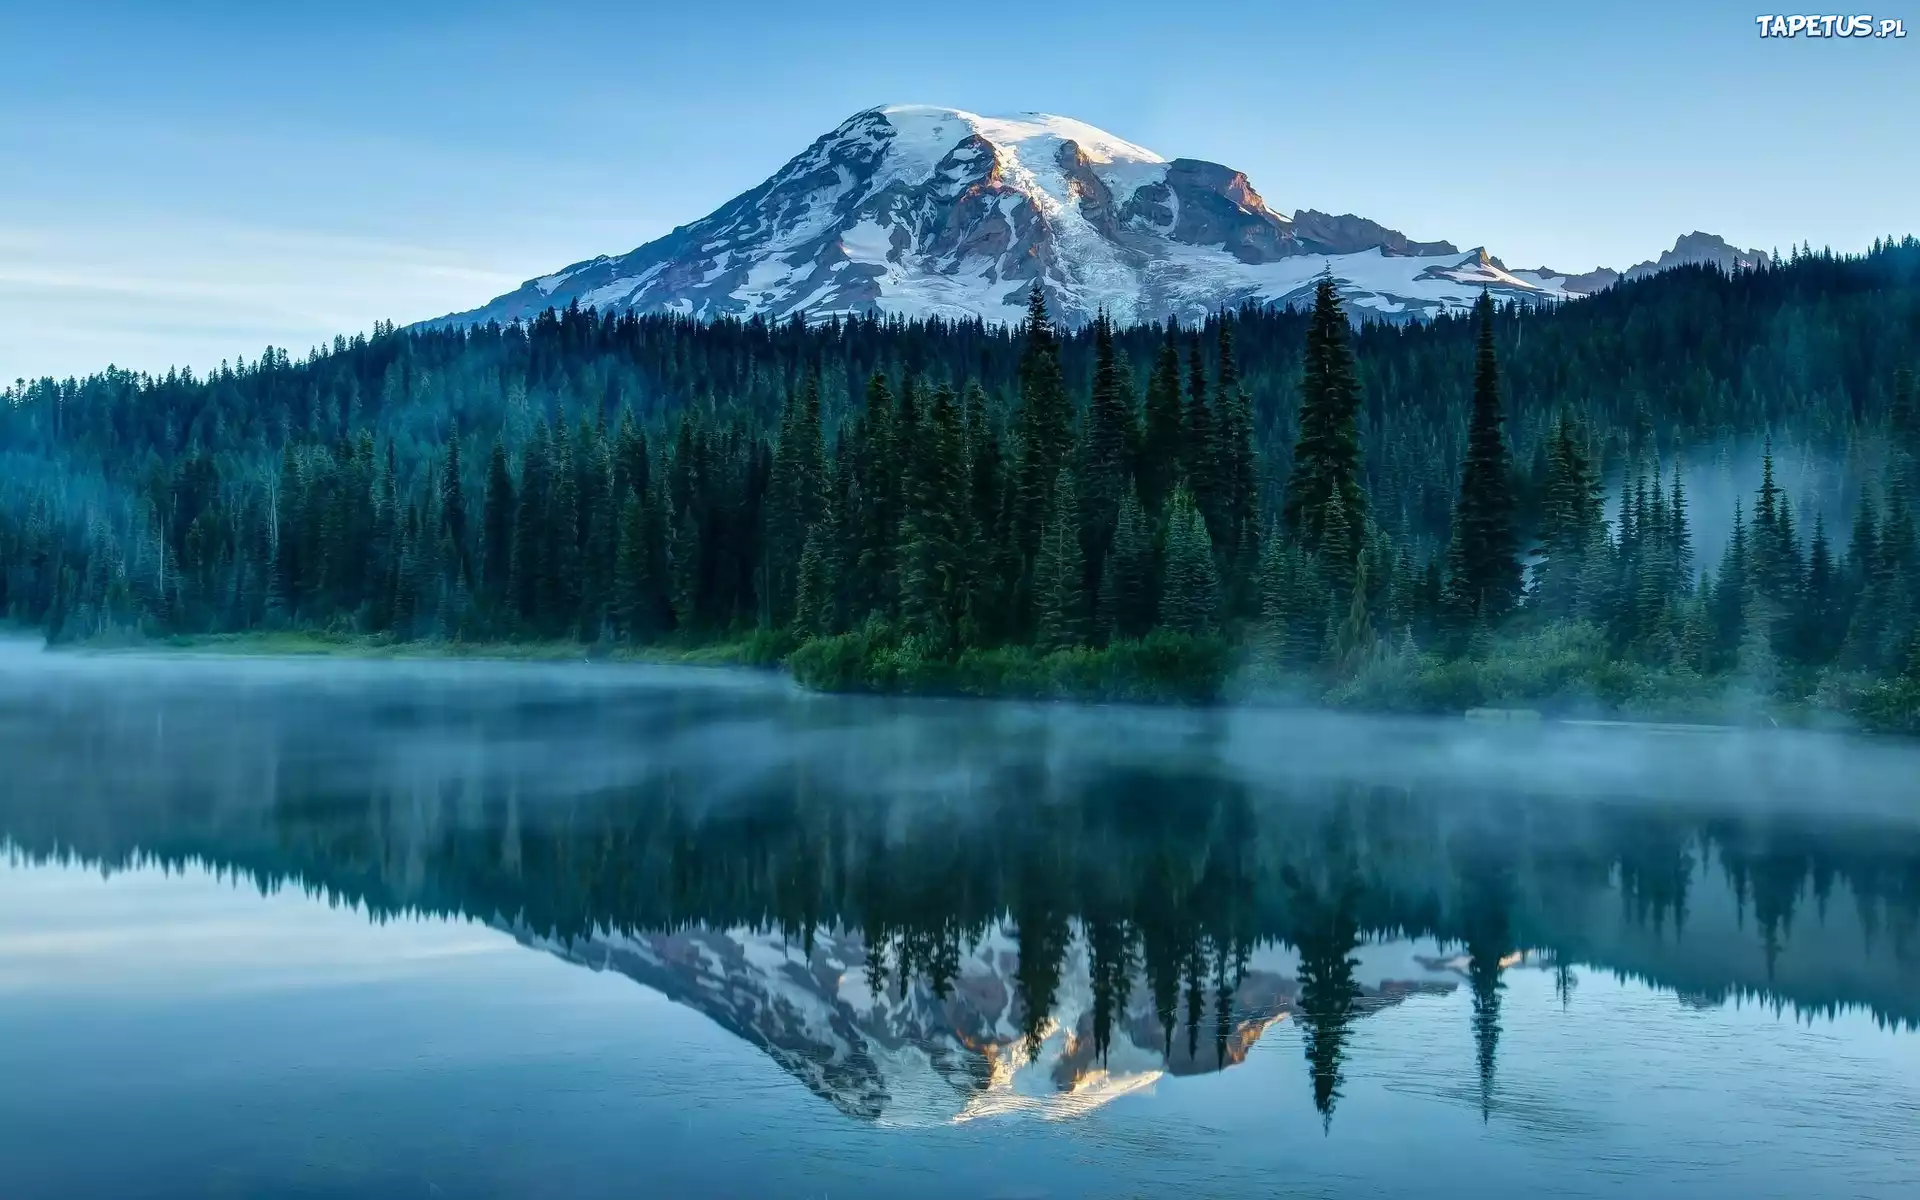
(921, 212)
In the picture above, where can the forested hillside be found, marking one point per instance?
(1396, 515)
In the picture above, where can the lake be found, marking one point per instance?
(341, 929)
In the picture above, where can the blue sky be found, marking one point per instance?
(188, 182)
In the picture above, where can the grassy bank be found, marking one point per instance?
(1160, 668)
(750, 650)
(1559, 671)
(1564, 670)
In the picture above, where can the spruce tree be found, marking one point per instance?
(1200, 441)
(1326, 453)
(1239, 480)
(793, 494)
(813, 589)
(1732, 588)
(565, 582)
(933, 587)
(1190, 584)
(631, 610)
(874, 520)
(1680, 535)
(453, 507)
(1489, 546)
(989, 581)
(1127, 600)
(1104, 470)
(496, 525)
(1059, 575)
(1569, 517)
(1160, 446)
(1046, 422)
(1819, 615)
(1354, 641)
(531, 545)
(631, 467)
(1903, 416)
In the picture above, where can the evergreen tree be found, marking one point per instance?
(1326, 455)
(531, 544)
(453, 507)
(1127, 600)
(874, 517)
(1161, 451)
(1059, 575)
(1190, 585)
(1200, 441)
(1104, 469)
(1355, 638)
(601, 515)
(496, 524)
(1732, 588)
(1238, 463)
(1046, 424)
(1489, 558)
(933, 591)
(1818, 620)
(1903, 417)
(1569, 519)
(563, 531)
(793, 494)
(990, 579)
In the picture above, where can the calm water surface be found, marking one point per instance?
(275, 928)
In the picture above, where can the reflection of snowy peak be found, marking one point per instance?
(902, 1055)
(933, 212)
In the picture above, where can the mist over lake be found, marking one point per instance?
(402, 928)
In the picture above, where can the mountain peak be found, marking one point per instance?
(943, 126)
(922, 211)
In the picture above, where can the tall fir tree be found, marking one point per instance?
(1326, 453)
(1059, 575)
(1239, 537)
(531, 544)
(1104, 471)
(1127, 585)
(1045, 438)
(934, 542)
(1160, 446)
(1190, 583)
(1200, 440)
(1489, 544)
(496, 525)
(453, 507)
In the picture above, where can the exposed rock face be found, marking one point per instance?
(919, 212)
(1692, 249)
(1348, 234)
(929, 212)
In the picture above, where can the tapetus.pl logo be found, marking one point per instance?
(1860, 25)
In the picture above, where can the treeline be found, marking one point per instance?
(1406, 516)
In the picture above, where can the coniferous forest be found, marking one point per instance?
(1491, 509)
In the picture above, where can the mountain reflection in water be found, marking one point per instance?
(935, 911)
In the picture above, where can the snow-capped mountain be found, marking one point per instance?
(904, 1056)
(922, 211)
(918, 211)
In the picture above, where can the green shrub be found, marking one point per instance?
(1161, 667)
(1889, 705)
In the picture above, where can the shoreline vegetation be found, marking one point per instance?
(1159, 671)
(1572, 510)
